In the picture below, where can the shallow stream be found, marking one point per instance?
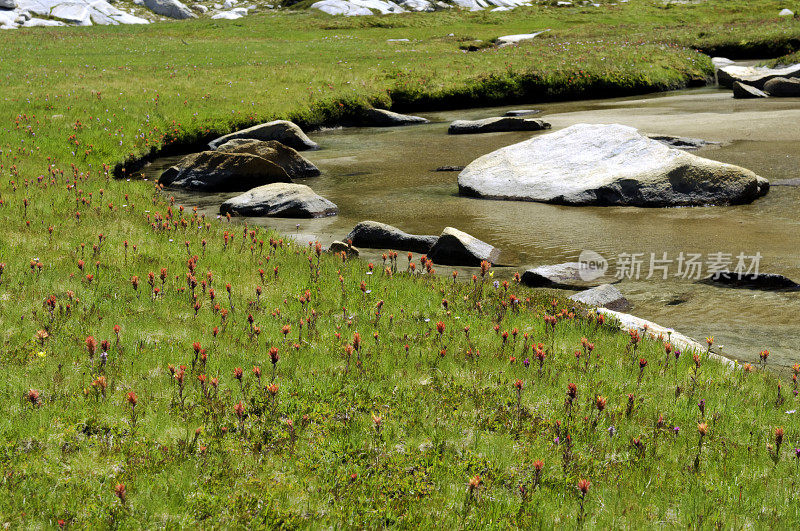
(386, 174)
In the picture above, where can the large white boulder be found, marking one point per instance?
(340, 7)
(9, 18)
(417, 5)
(73, 13)
(169, 8)
(357, 7)
(606, 164)
(80, 12)
(471, 5)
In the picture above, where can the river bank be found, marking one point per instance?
(387, 175)
(163, 368)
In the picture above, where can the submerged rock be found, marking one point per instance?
(284, 200)
(384, 118)
(787, 182)
(294, 164)
(376, 235)
(606, 165)
(522, 112)
(759, 281)
(496, 125)
(755, 76)
(215, 171)
(682, 142)
(285, 132)
(169, 8)
(569, 275)
(743, 92)
(454, 247)
(449, 168)
(781, 87)
(603, 296)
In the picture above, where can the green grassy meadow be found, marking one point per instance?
(370, 395)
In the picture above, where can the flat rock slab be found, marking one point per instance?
(285, 200)
(603, 296)
(602, 165)
(372, 234)
(781, 87)
(215, 171)
(507, 40)
(497, 124)
(742, 91)
(628, 322)
(285, 132)
(384, 118)
(755, 76)
(457, 248)
(757, 281)
(569, 275)
(292, 162)
(522, 112)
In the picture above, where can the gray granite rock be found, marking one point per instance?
(599, 164)
(497, 124)
(284, 200)
(454, 247)
(372, 234)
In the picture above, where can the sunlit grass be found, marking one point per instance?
(391, 433)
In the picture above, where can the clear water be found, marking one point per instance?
(387, 175)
